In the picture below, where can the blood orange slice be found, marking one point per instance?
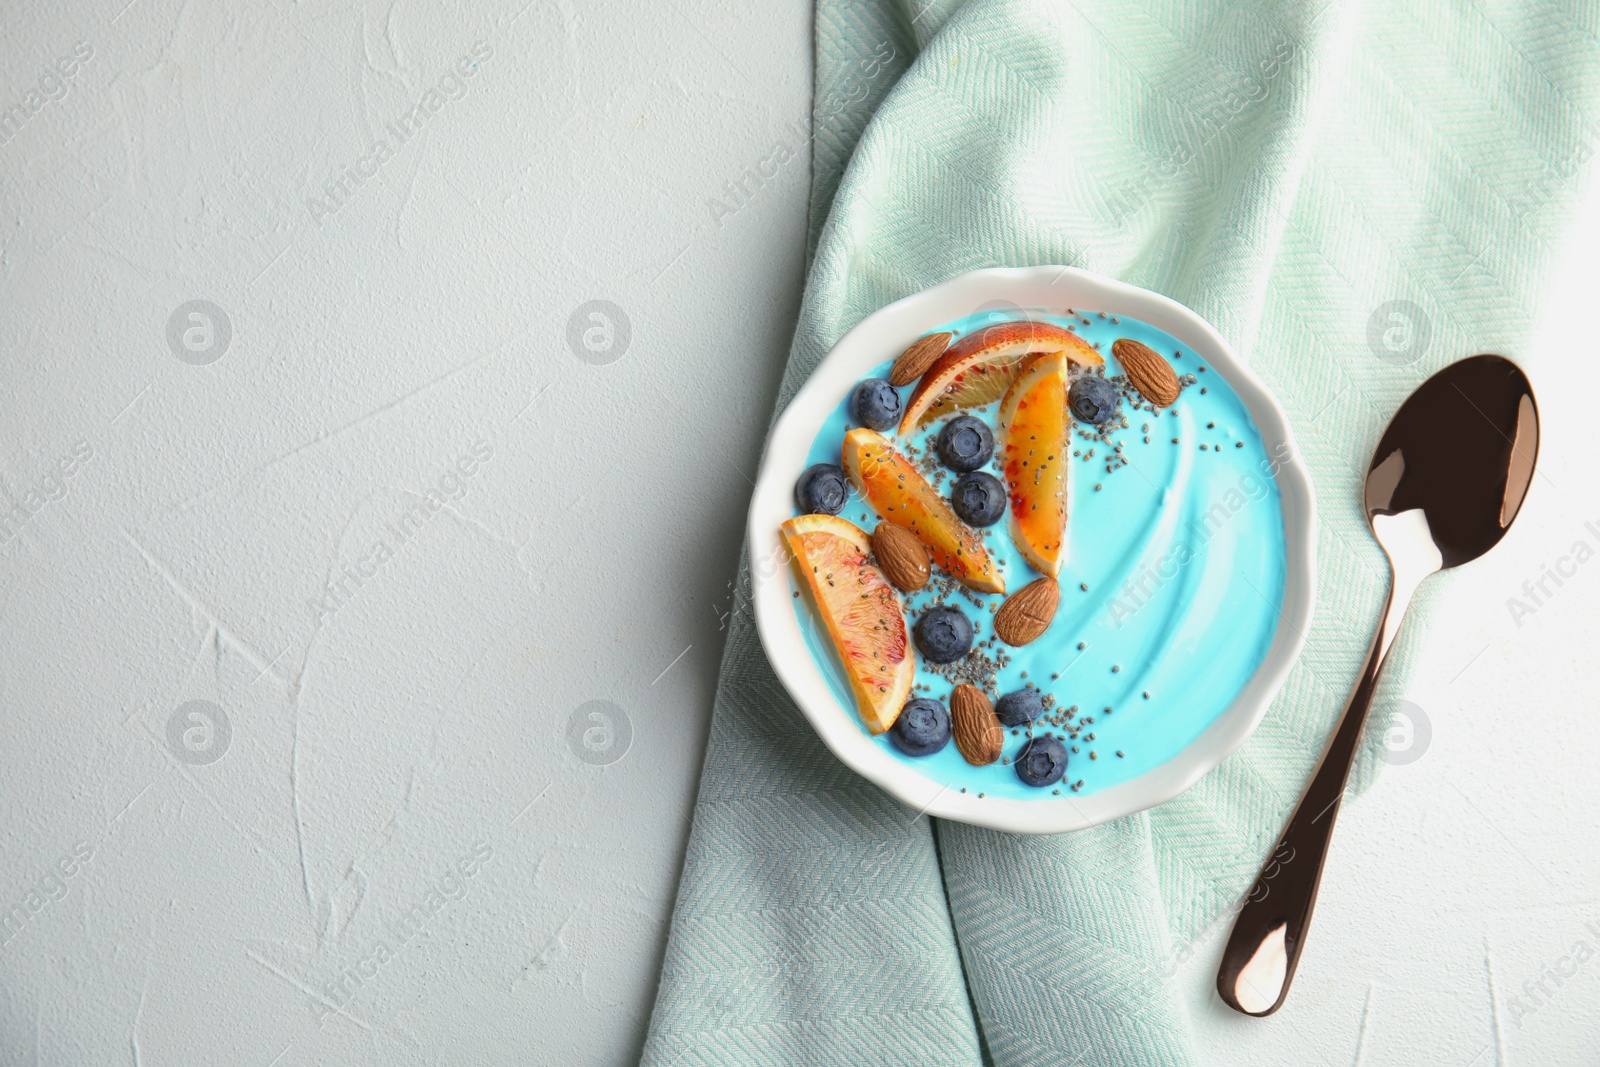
(981, 366)
(860, 611)
(901, 495)
(1035, 440)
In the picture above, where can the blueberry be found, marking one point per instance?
(1042, 761)
(1020, 708)
(1093, 399)
(922, 729)
(876, 403)
(943, 634)
(979, 498)
(965, 443)
(822, 489)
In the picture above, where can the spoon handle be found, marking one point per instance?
(1262, 952)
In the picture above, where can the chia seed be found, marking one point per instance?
(977, 667)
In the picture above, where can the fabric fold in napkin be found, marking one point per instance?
(1354, 195)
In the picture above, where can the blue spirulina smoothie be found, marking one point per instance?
(1169, 598)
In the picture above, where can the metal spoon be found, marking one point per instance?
(1444, 484)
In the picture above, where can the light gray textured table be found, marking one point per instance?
(397, 509)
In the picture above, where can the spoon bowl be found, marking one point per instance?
(1461, 449)
(1445, 482)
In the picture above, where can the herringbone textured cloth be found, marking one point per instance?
(1287, 171)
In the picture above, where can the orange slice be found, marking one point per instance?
(1035, 438)
(981, 366)
(860, 610)
(901, 495)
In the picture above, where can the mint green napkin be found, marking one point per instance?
(1354, 195)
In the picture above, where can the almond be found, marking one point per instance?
(1027, 612)
(1153, 376)
(900, 556)
(977, 730)
(918, 358)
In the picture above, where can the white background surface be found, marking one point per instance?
(374, 747)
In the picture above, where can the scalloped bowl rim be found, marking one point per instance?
(888, 331)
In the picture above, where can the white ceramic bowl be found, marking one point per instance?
(883, 335)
